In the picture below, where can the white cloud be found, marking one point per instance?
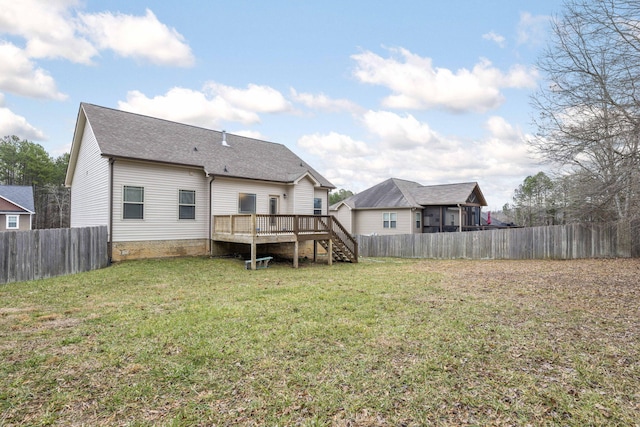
(262, 99)
(13, 124)
(20, 76)
(48, 28)
(324, 103)
(139, 37)
(334, 144)
(402, 133)
(187, 106)
(532, 29)
(498, 161)
(211, 107)
(495, 37)
(417, 84)
(56, 29)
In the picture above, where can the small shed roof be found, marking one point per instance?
(19, 195)
(122, 134)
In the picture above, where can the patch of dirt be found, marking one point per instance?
(604, 293)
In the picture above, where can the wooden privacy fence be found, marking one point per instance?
(572, 241)
(38, 254)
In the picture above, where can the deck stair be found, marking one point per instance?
(344, 247)
(340, 252)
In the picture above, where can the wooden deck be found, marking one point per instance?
(258, 229)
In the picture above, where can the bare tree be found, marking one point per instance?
(588, 117)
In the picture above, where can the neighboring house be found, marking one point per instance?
(397, 206)
(159, 185)
(16, 207)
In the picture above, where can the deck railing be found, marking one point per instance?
(261, 224)
(264, 225)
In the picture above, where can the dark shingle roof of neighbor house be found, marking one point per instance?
(399, 193)
(20, 195)
(134, 136)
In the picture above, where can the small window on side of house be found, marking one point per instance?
(13, 222)
(246, 203)
(317, 206)
(389, 220)
(186, 204)
(133, 202)
(418, 220)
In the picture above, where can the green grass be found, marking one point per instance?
(197, 341)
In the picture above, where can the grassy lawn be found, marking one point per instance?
(197, 341)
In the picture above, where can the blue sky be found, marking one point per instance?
(434, 92)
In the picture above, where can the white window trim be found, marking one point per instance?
(17, 227)
(390, 215)
(125, 202)
(255, 203)
(187, 204)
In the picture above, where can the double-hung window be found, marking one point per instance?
(246, 203)
(13, 222)
(187, 204)
(317, 206)
(133, 202)
(389, 220)
(418, 220)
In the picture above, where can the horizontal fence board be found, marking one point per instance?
(571, 241)
(39, 254)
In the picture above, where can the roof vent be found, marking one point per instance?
(224, 139)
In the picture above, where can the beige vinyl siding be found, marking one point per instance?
(344, 215)
(225, 192)
(370, 221)
(161, 185)
(303, 197)
(90, 184)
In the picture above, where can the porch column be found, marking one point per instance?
(295, 254)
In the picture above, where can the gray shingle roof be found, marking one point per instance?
(20, 195)
(449, 194)
(399, 193)
(134, 136)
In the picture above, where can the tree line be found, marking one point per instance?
(542, 199)
(23, 162)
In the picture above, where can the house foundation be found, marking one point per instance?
(122, 251)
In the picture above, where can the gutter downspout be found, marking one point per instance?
(110, 231)
(459, 218)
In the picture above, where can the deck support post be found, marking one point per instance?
(315, 251)
(253, 254)
(295, 253)
(330, 254)
(254, 249)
